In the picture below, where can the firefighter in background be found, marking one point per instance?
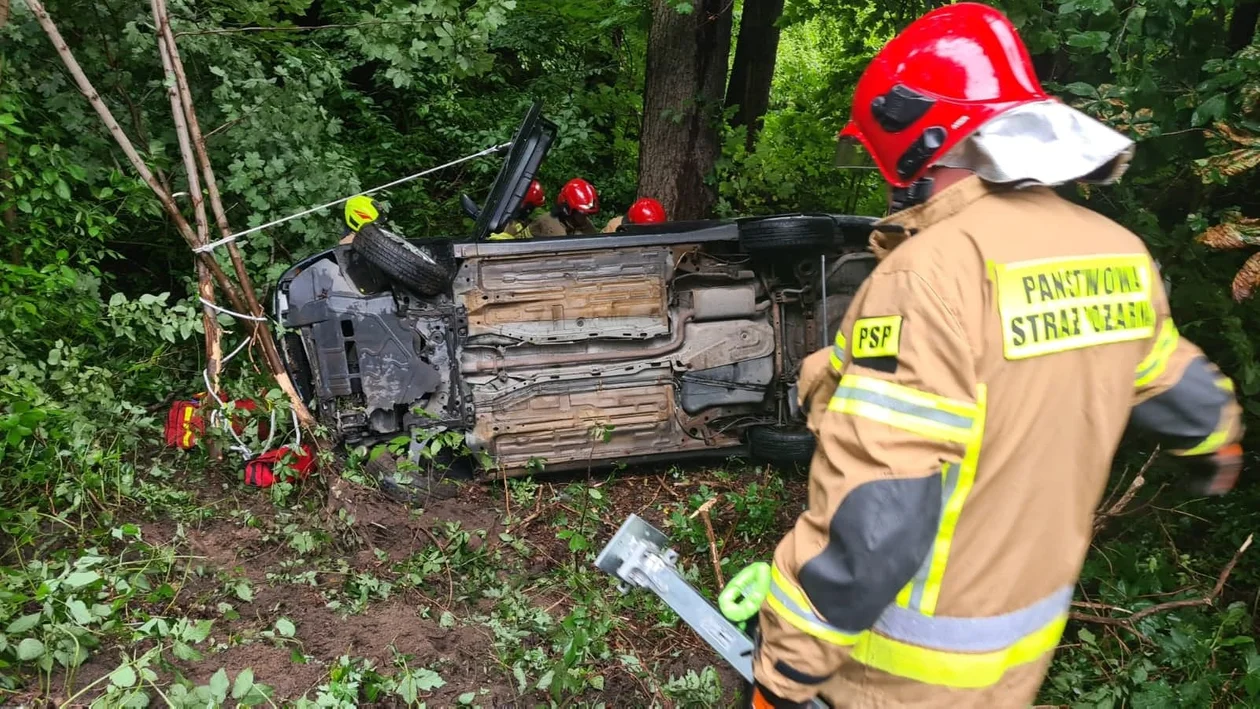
(978, 388)
(519, 227)
(359, 211)
(576, 202)
(645, 210)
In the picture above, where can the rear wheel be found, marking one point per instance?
(418, 268)
(794, 232)
(782, 443)
(854, 230)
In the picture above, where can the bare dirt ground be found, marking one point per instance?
(493, 593)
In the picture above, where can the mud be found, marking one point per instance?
(369, 534)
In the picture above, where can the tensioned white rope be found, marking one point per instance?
(240, 446)
(217, 419)
(227, 239)
(220, 309)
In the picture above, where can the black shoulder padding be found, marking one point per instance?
(878, 539)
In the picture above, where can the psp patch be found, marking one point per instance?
(877, 337)
(877, 342)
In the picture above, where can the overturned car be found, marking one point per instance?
(672, 340)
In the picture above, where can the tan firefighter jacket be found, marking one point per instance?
(543, 226)
(966, 419)
(613, 224)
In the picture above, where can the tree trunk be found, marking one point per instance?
(682, 97)
(753, 69)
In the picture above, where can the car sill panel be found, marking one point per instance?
(722, 232)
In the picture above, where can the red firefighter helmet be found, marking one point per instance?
(935, 84)
(535, 197)
(579, 196)
(645, 210)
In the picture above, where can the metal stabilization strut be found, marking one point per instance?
(638, 556)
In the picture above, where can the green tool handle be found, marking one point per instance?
(743, 595)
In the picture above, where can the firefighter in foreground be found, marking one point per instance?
(978, 388)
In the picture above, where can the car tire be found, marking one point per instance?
(413, 487)
(788, 444)
(415, 267)
(798, 232)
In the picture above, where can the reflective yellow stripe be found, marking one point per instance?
(903, 596)
(1210, 444)
(913, 592)
(961, 670)
(1220, 436)
(837, 352)
(789, 589)
(966, 653)
(837, 360)
(802, 624)
(790, 604)
(952, 509)
(187, 426)
(972, 635)
(1150, 368)
(916, 411)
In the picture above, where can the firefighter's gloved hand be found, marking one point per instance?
(762, 698)
(1216, 474)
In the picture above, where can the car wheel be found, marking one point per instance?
(793, 232)
(416, 486)
(416, 267)
(791, 443)
(853, 230)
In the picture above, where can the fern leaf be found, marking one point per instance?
(1247, 279)
(1236, 234)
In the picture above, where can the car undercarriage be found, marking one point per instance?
(655, 342)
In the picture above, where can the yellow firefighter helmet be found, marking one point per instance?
(359, 211)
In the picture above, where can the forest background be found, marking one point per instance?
(716, 107)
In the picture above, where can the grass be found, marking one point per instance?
(327, 594)
(197, 591)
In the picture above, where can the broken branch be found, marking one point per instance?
(703, 511)
(261, 333)
(1208, 599)
(124, 143)
(1101, 518)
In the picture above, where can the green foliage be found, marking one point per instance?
(1192, 656)
(351, 680)
(1158, 71)
(304, 102)
(695, 689)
